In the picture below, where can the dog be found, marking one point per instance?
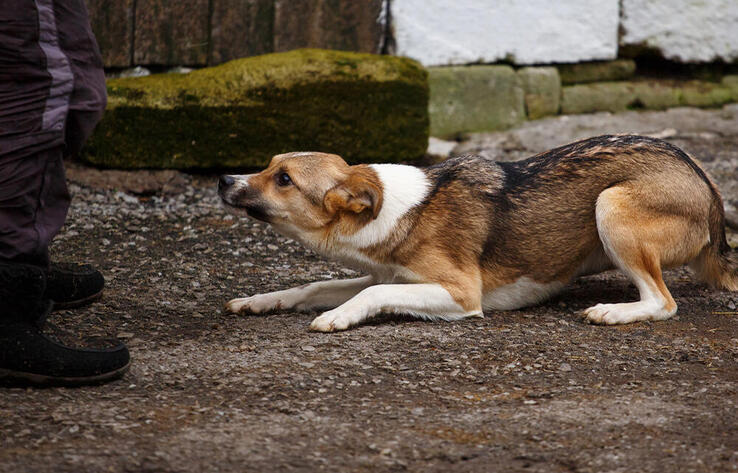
(470, 234)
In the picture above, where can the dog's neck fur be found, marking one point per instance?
(403, 188)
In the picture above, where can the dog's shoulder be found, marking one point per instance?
(471, 172)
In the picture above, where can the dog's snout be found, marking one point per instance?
(225, 181)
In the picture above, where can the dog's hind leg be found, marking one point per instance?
(317, 295)
(640, 234)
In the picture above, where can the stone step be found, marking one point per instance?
(365, 107)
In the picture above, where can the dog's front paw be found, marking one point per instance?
(331, 321)
(257, 304)
(599, 314)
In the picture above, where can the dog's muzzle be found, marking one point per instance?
(225, 182)
(242, 197)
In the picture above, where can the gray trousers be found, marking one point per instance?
(52, 94)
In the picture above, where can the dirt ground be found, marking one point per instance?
(535, 390)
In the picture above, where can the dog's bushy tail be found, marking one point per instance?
(717, 264)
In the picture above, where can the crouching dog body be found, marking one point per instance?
(469, 234)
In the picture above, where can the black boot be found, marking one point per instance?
(72, 285)
(27, 356)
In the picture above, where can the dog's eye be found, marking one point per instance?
(283, 179)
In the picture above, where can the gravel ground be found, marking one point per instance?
(532, 390)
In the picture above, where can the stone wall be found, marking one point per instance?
(208, 32)
(434, 32)
(493, 97)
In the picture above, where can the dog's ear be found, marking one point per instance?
(360, 192)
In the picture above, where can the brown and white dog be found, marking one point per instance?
(469, 234)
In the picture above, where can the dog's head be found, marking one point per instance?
(303, 194)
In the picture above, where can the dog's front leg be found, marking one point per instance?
(428, 301)
(317, 295)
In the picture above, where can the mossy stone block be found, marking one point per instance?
(598, 97)
(705, 94)
(542, 91)
(474, 98)
(599, 71)
(654, 95)
(365, 107)
(731, 83)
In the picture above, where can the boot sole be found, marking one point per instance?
(20, 378)
(77, 303)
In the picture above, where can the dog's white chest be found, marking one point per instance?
(521, 293)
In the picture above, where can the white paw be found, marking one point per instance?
(331, 321)
(257, 304)
(613, 314)
(601, 314)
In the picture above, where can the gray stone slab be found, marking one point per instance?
(681, 30)
(439, 32)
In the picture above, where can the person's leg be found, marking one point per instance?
(36, 88)
(52, 93)
(89, 95)
(69, 284)
(36, 79)
(33, 205)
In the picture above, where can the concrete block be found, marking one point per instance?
(600, 71)
(682, 30)
(436, 32)
(241, 28)
(171, 33)
(475, 98)
(347, 25)
(541, 91)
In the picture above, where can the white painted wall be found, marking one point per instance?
(684, 30)
(442, 32)
(445, 32)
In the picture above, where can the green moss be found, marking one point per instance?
(364, 107)
(597, 71)
(597, 97)
(655, 95)
(645, 94)
(542, 89)
(474, 98)
(731, 83)
(705, 94)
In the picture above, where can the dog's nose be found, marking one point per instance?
(225, 181)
